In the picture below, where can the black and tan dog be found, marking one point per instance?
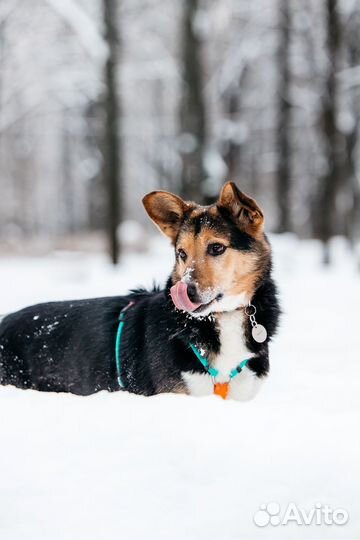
(207, 331)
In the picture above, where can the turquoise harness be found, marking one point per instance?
(213, 372)
(118, 342)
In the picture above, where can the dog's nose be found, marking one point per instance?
(192, 292)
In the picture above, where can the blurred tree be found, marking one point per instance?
(326, 210)
(112, 172)
(232, 147)
(232, 107)
(192, 137)
(68, 180)
(351, 136)
(283, 173)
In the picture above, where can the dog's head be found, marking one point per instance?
(221, 250)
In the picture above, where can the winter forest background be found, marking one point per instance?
(104, 100)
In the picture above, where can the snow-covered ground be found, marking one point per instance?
(173, 467)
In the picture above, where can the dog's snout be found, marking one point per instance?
(192, 292)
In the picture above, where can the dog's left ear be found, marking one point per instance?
(166, 210)
(243, 209)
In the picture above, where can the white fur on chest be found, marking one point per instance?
(233, 350)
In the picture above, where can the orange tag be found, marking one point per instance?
(221, 389)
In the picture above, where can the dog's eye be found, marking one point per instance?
(216, 249)
(181, 254)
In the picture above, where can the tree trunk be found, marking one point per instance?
(233, 110)
(283, 174)
(326, 212)
(68, 220)
(232, 153)
(192, 109)
(353, 218)
(111, 137)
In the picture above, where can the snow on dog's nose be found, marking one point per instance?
(180, 296)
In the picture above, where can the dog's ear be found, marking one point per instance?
(243, 209)
(166, 210)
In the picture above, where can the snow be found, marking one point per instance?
(173, 467)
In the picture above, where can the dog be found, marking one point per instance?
(207, 332)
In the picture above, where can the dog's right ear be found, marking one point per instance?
(166, 210)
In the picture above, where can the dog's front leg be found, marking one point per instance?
(245, 386)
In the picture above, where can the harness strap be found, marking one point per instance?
(118, 342)
(213, 371)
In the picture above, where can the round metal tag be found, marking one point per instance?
(259, 333)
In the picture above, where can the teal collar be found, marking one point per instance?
(213, 371)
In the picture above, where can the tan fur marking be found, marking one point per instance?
(234, 272)
(178, 388)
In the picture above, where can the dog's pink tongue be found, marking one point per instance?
(180, 297)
